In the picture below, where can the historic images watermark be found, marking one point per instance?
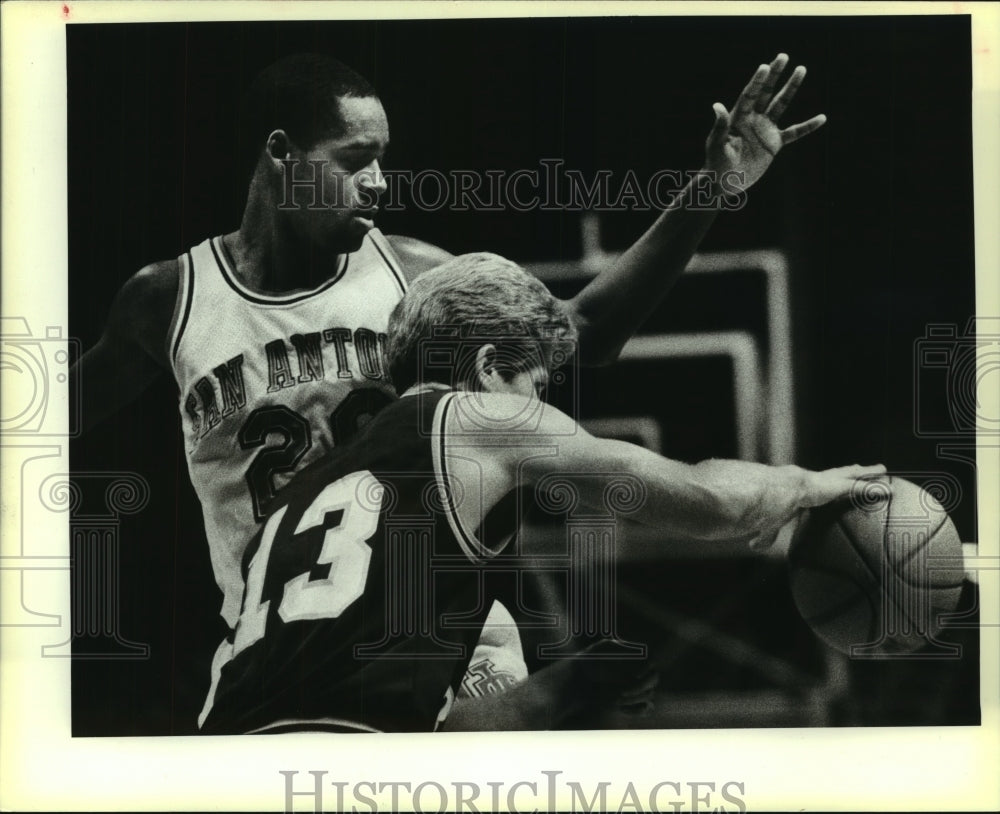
(551, 187)
(315, 790)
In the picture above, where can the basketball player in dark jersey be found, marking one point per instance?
(353, 577)
(272, 329)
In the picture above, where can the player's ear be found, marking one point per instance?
(279, 146)
(485, 375)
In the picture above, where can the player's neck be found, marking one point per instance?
(269, 259)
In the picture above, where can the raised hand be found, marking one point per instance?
(747, 138)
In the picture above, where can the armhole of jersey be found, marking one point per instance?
(182, 307)
(472, 546)
(384, 248)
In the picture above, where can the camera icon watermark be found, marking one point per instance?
(953, 370)
(34, 369)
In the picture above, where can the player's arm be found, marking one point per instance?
(715, 500)
(740, 147)
(416, 256)
(130, 354)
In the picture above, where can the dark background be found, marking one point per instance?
(874, 213)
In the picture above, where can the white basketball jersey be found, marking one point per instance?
(269, 383)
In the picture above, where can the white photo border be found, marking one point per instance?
(44, 768)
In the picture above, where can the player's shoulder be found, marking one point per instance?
(416, 256)
(152, 284)
(493, 416)
(145, 304)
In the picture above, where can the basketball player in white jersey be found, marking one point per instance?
(274, 332)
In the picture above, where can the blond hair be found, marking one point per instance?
(451, 311)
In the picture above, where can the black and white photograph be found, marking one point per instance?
(574, 382)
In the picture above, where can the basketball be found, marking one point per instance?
(873, 575)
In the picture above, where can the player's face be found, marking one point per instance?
(352, 179)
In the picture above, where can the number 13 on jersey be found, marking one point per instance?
(345, 549)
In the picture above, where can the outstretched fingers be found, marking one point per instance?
(751, 93)
(775, 69)
(872, 471)
(839, 483)
(784, 98)
(720, 129)
(797, 131)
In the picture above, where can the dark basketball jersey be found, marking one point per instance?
(364, 593)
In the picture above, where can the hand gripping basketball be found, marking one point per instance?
(876, 576)
(817, 489)
(836, 484)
